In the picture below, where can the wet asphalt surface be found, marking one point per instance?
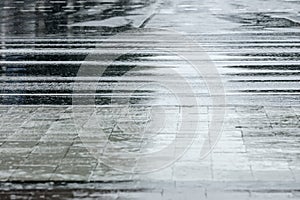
(253, 44)
(43, 45)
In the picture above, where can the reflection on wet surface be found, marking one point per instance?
(55, 17)
(44, 43)
(41, 39)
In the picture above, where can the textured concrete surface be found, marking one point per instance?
(41, 143)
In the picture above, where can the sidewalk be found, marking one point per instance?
(257, 142)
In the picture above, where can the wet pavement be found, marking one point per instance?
(44, 99)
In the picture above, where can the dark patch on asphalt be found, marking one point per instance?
(261, 20)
